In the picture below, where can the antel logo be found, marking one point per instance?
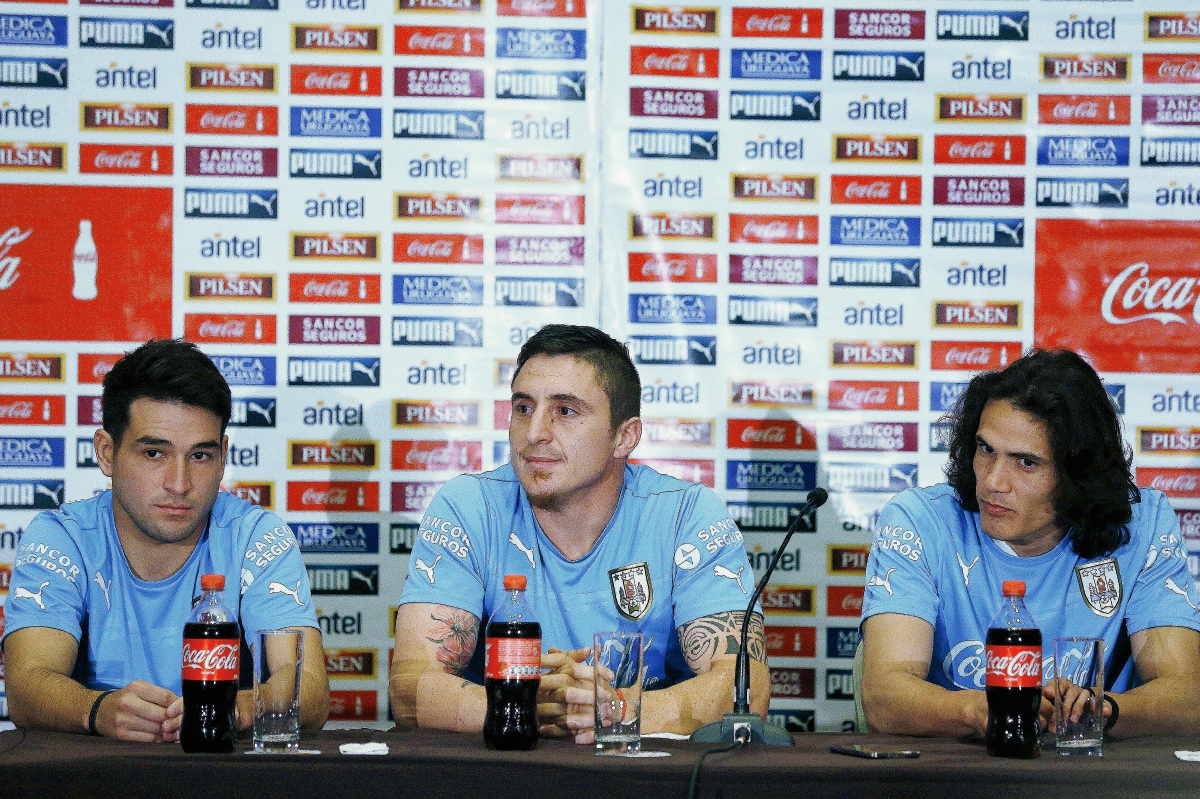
(847, 559)
(231, 77)
(877, 148)
(878, 24)
(786, 434)
(791, 641)
(1086, 109)
(333, 496)
(672, 267)
(772, 393)
(664, 225)
(541, 8)
(434, 413)
(674, 62)
(777, 23)
(843, 600)
(131, 117)
(772, 229)
(437, 248)
(1133, 304)
(241, 120)
(1178, 27)
(791, 599)
(875, 189)
(329, 287)
(873, 395)
(884, 354)
(358, 455)
(229, 328)
(439, 41)
(33, 156)
(1090, 67)
(965, 149)
(33, 409)
(256, 493)
(1174, 482)
(980, 108)
(126, 159)
(1171, 68)
(335, 38)
(973, 356)
(336, 80)
(437, 456)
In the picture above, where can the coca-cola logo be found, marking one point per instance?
(327, 82)
(231, 120)
(652, 267)
(871, 396)
(676, 62)
(441, 248)
(780, 23)
(533, 7)
(102, 367)
(852, 602)
(1188, 70)
(330, 496)
(17, 410)
(219, 660)
(1158, 298)
(976, 356)
(878, 190)
(763, 231)
(979, 149)
(437, 41)
(775, 434)
(963, 665)
(129, 159)
(1085, 109)
(1014, 666)
(1169, 483)
(9, 264)
(230, 328)
(330, 288)
(442, 456)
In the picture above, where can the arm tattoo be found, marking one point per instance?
(454, 631)
(719, 634)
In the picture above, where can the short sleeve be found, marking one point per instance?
(712, 572)
(1163, 594)
(446, 566)
(278, 594)
(899, 576)
(49, 580)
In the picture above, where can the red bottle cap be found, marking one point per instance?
(514, 582)
(1013, 587)
(212, 582)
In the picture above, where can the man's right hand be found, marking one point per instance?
(141, 712)
(565, 696)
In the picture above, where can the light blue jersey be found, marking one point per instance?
(70, 574)
(930, 559)
(671, 554)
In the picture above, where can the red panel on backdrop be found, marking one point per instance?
(1122, 293)
(47, 272)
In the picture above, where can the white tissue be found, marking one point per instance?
(372, 748)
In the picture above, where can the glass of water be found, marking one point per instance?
(618, 658)
(1079, 696)
(278, 656)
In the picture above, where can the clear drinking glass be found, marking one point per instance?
(618, 658)
(278, 656)
(1079, 691)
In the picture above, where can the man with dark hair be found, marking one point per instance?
(1040, 491)
(604, 545)
(102, 587)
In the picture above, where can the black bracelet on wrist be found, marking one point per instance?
(1116, 712)
(95, 710)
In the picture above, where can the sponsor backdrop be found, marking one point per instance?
(818, 222)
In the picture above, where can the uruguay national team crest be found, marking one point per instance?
(632, 590)
(1100, 583)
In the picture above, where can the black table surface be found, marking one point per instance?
(437, 764)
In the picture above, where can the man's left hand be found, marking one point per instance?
(565, 695)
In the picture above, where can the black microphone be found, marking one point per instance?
(741, 725)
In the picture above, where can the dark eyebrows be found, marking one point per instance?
(151, 441)
(1029, 456)
(573, 399)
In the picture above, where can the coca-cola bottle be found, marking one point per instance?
(512, 671)
(211, 652)
(1014, 677)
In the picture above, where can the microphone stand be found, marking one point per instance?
(741, 725)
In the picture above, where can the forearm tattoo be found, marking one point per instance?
(454, 631)
(719, 634)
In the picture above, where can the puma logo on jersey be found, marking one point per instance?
(25, 593)
(883, 582)
(280, 588)
(516, 541)
(427, 568)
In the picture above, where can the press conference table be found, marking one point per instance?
(435, 764)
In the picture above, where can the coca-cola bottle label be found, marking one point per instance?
(513, 659)
(1014, 667)
(210, 659)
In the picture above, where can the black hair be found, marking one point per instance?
(614, 369)
(1094, 490)
(169, 370)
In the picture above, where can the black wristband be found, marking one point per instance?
(1116, 712)
(95, 710)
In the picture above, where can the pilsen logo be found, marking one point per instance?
(1087, 109)
(333, 454)
(32, 367)
(672, 267)
(335, 246)
(309, 329)
(229, 328)
(434, 413)
(772, 229)
(1184, 483)
(675, 19)
(799, 188)
(230, 286)
(437, 248)
(777, 23)
(468, 6)
(873, 395)
(686, 432)
(33, 73)
(1169, 440)
(973, 356)
(333, 496)
(241, 120)
(328, 287)
(540, 168)
(353, 664)
(232, 162)
(1090, 67)
(1172, 27)
(885, 354)
(877, 148)
(780, 270)
(31, 156)
(441, 207)
(772, 393)
(963, 149)
(847, 558)
(437, 456)
(437, 82)
(439, 40)
(980, 108)
(126, 159)
(976, 313)
(878, 24)
(540, 209)
(770, 434)
(540, 250)
(790, 599)
(663, 225)
(875, 189)
(131, 117)
(336, 80)
(674, 62)
(231, 77)
(1171, 68)
(333, 38)
(984, 191)
(33, 409)
(541, 8)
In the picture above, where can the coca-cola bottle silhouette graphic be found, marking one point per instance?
(85, 263)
